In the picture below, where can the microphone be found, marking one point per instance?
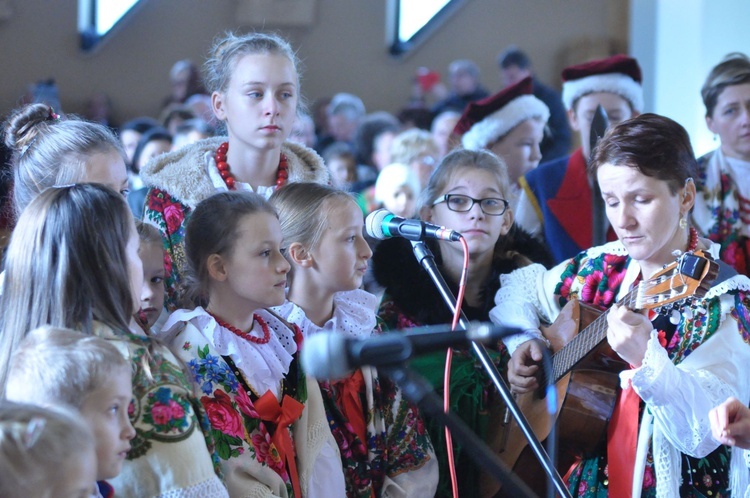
(331, 355)
(382, 224)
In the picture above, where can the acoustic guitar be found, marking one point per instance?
(585, 370)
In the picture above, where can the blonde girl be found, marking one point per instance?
(267, 417)
(45, 453)
(384, 447)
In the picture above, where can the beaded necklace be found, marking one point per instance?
(228, 177)
(692, 240)
(245, 335)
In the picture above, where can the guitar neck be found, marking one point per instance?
(585, 341)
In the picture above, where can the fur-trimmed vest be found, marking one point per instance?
(183, 173)
(179, 180)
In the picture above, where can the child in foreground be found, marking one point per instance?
(44, 453)
(84, 373)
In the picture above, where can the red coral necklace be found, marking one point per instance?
(245, 335)
(226, 173)
(692, 240)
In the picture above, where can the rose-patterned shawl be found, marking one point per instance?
(249, 443)
(172, 452)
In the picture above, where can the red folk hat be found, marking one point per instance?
(618, 74)
(486, 120)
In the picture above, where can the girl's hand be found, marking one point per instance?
(628, 334)
(730, 423)
(524, 365)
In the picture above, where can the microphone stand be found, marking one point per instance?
(427, 261)
(417, 390)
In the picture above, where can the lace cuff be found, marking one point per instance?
(645, 378)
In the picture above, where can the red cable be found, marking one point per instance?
(448, 361)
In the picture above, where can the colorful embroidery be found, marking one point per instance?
(741, 313)
(161, 402)
(235, 425)
(170, 216)
(593, 281)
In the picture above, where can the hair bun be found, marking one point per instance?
(22, 125)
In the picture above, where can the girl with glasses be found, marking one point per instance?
(467, 192)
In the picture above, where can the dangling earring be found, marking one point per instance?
(683, 222)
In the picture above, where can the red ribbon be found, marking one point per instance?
(350, 401)
(282, 415)
(622, 439)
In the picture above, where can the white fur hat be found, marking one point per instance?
(618, 74)
(486, 120)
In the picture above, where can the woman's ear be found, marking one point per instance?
(688, 196)
(299, 255)
(216, 268)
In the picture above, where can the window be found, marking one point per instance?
(412, 21)
(97, 18)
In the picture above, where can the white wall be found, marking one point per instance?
(677, 43)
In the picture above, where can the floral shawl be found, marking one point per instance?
(384, 444)
(172, 453)
(246, 442)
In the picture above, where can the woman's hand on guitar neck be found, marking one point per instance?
(628, 333)
(524, 366)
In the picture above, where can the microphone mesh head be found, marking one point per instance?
(324, 356)
(374, 223)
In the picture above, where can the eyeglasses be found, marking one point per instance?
(493, 206)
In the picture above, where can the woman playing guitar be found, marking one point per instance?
(677, 366)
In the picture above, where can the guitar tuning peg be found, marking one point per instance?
(674, 317)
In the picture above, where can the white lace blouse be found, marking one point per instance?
(354, 315)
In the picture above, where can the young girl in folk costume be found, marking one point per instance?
(255, 92)
(384, 446)
(45, 453)
(467, 192)
(658, 440)
(85, 373)
(266, 416)
(151, 310)
(73, 262)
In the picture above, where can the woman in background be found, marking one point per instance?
(722, 207)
